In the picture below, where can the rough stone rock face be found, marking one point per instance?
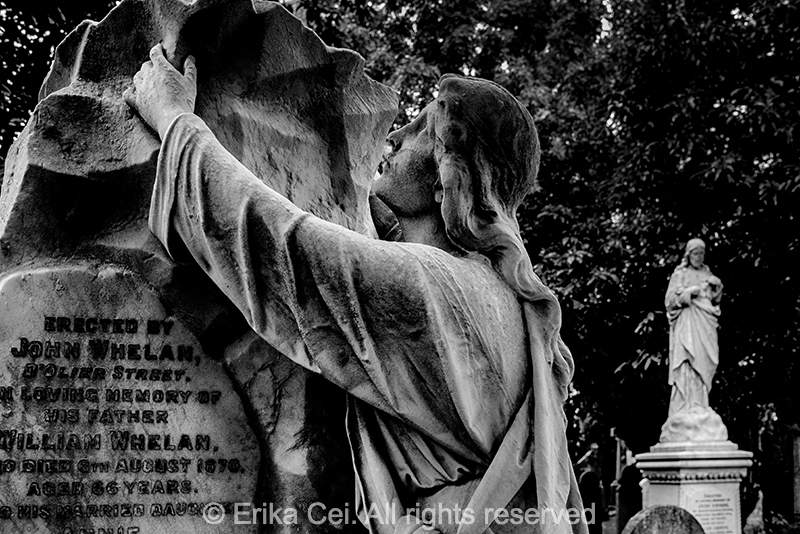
(76, 258)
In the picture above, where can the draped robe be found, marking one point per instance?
(693, 343)
(456, 387)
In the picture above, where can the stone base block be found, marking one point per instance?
(701, 477)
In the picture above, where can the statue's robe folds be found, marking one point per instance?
(693, 335)
(446, 371)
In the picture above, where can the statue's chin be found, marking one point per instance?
(695, 424)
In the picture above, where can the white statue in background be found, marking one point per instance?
(692, 303)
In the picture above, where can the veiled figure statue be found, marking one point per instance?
(447, 341)
(692, 303)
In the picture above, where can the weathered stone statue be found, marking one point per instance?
(261, 346)
(694, 465)
(448, 342)
(692, 303)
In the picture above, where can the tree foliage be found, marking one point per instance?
(29, 32)
(659, 121)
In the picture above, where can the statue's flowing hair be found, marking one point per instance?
(487, 153)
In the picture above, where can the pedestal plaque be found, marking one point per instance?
(701, 477)
(113, 418)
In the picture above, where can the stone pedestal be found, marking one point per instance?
(701, 477)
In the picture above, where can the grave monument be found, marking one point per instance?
(137, 396)
(694, 465)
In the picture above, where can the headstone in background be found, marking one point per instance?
(754, 524)
(80, 271)
(629, 495)
(592, 497)
(663, 520)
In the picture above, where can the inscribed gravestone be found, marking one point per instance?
(116, 418)
(714, 506)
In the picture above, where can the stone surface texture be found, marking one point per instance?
(74, 243)
(663, 520)
(114, 405)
